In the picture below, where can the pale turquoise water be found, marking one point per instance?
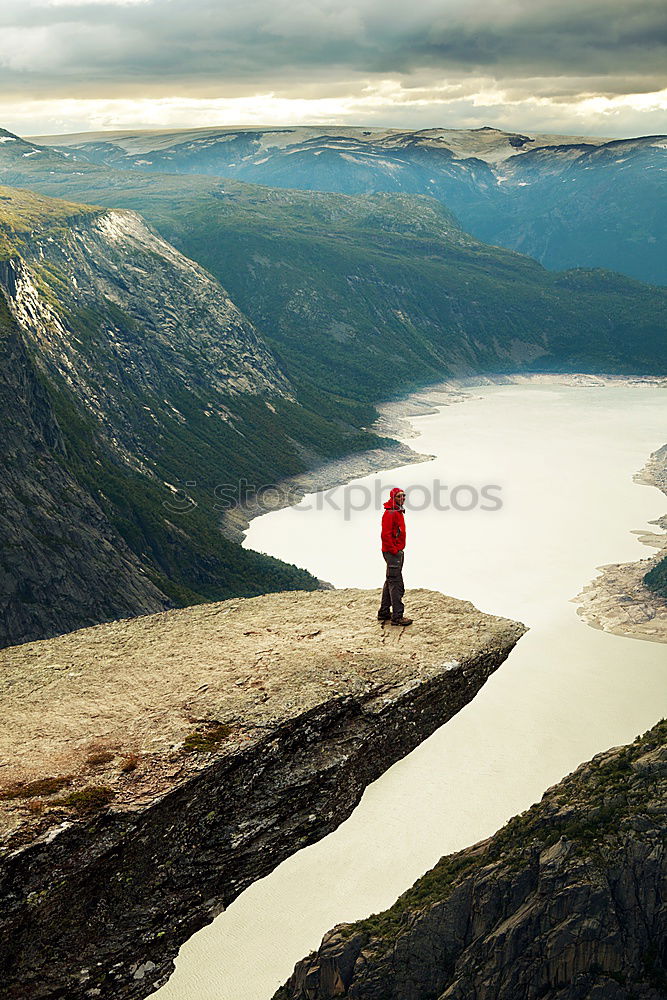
(564, 457)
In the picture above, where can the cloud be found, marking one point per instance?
(216, 41)
(563, 51)
(91, 3)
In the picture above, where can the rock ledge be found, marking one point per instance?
(153, 768)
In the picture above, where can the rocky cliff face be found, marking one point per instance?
(62, 563)
(154, 768)
(127, 373)
(130, 325)
(566, 902)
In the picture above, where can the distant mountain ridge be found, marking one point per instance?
(489, 144)
(567, 201)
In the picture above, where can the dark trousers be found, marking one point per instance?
(393, 590)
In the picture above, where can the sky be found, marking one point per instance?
(577, 67)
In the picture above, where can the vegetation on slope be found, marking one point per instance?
(656, 578)
(22, 212)
(369, 306)
(363, 297)
(181, 547)
(563, 902)
(62, 565)
(80, 405)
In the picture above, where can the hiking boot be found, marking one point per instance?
(384, 618)
(401, 621)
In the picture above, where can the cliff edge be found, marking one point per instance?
(153, 768)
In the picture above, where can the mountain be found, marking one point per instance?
(593, 206)
(129, 380)
(234, 146)
(165, 387)
(363, 297)
(568, 201)
(566, 902)
(63, 564)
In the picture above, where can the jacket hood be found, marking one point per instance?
(392, 503)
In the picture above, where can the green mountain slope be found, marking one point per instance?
(63, 564)
(385, 291)
(568, 201)
(365, 296)
(127, 373)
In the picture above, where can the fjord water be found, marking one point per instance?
(563, 457)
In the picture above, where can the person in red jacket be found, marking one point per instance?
(393, 545)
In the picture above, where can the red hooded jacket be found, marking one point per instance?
(393, 525)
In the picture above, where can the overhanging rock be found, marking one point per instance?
(155, 767)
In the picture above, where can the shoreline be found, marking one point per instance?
(616, 601)
(394, 420)
(339, 472)
(395, 414)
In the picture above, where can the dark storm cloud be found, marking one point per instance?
(200, 46)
